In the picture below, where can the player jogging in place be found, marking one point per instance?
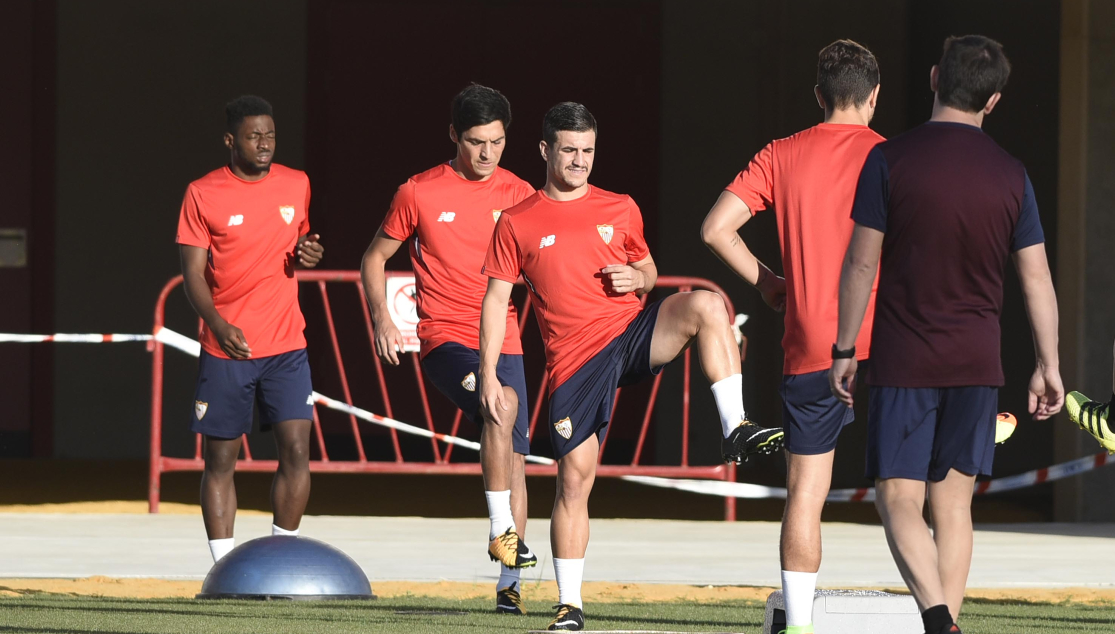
(581, 251)
(243, 230)
(447, 214)
(1094, 417)
(946, 207)
(810, 181)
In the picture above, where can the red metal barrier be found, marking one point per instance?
(441, 463)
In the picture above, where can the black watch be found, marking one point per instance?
(837, 353)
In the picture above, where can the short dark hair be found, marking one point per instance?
(479, 105)
(567, 116)
(972, 68)
(846, 74)
(243, 107)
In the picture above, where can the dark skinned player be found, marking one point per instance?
(243, 230)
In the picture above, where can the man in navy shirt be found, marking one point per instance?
(945, 206)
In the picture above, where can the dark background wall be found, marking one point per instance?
(738, 74)
(685, 93)
(140, 98)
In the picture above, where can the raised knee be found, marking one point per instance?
(709, 306)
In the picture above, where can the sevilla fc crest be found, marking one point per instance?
(564, 427)
(287, 213)
(606, 232)
(470, 382)
(200, 409)
(496, 213)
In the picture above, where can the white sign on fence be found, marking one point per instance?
(402, 303)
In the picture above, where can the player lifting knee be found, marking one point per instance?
(581, 251)
(447, 213)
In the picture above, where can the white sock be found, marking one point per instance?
(569, 573)
(220, 547)
(729, 402)
(499, 512)
(508, 576)
(798, 589)
(276, 530)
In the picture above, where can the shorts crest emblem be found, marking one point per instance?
(287, 212)
(200, 408)
(606, 233)
(564, 427)
(469, 382)
(496, 214)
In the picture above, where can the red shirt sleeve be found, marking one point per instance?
(304, 228)
(525, 191)
(192, 229)
(504, 260)
(634, 243)
(402, 217)
(755, 184)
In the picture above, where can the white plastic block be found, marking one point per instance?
(851, 612)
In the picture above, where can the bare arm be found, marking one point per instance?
(493, 328)
(231, 339)
(1047, 395)
(861, 262)
(636, 277)
(720, 231)
(388, 338)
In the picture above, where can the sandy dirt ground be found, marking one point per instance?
(601, 592)
(114, 506)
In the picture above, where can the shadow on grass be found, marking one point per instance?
(53, 630)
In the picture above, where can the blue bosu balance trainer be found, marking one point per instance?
(284, 567)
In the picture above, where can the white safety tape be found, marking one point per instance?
(703, 487)
(71, 338)
(753, 491)
(737, 327)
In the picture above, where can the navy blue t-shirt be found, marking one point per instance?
(953, 206)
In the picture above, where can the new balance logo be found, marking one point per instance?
(446, 216)
(236, 220)
(548, 241)
(310, 400)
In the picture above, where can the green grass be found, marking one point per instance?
(63, 614)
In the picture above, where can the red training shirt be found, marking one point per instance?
(250, 229)
(560, 247)
(451, 220)
(810, 179)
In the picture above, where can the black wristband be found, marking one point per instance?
(837, 353)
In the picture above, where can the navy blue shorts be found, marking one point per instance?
(228, 388)
(582, 405)
(453, 368)
(922, 433)
(811, 416)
